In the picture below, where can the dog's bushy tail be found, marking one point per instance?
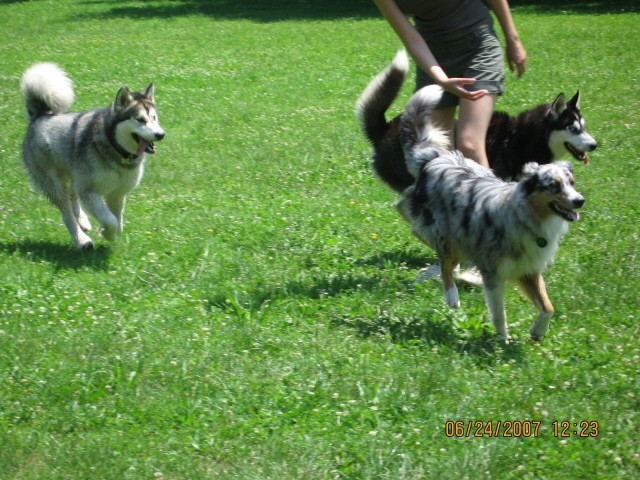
(379, 95)
(47, 89)
(421, 140)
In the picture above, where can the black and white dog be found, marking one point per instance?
(509, 231)
(543, 134)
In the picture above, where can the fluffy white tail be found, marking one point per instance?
(376, 99)
(421, 140)
(46, 89)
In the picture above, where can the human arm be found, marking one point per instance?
(421, 53)
(516, 54)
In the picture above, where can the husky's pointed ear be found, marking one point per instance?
(149, 92)
(558, 106)
(575, 101)
(123, 99)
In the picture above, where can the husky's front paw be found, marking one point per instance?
(87, 247)
(452, 297)
(109, 232)
(83, 222)
(506, 338)
(83, 242)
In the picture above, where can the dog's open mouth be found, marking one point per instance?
(577, 153)
(143, 145)
(566, 213)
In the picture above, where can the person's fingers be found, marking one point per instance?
(457, 87)
(472, 95)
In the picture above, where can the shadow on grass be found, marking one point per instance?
(579, 7)
(266, 11)
(255, 10)
(468, 334)
(396, 258)
(62, 257)
(477, 339)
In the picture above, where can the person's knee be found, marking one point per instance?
(473, 150)
(470, 147)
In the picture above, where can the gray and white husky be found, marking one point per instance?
(509, 231)
(93, 159)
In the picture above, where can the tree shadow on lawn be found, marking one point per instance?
(578, 7)
(264, 11)
(62, 257)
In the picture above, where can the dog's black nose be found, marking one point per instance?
(578, 202)
(159, 136)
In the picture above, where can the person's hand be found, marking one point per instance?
(457, 86)
(516, 57)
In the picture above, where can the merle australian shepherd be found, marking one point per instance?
(508, 230)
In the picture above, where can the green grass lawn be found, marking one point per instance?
(258, 318)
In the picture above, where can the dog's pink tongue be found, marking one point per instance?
(575, 216)
(586, 159)
(142, 147)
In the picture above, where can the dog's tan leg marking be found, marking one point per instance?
(450, 289)
(495, 302)
(533, 287)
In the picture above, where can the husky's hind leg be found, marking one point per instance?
(533, 287)
(81, 217)
(81, 240)
(58, 192)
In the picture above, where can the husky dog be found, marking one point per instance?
(509, 231)
(543, 134)
(93, 158)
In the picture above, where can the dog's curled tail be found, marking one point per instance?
(47, 89)
(421, 140)
(379, 95)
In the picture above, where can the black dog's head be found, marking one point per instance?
(567, 131)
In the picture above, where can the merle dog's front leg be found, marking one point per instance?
(534, 288)
(494, 293)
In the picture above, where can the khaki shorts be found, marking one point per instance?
(474, 54)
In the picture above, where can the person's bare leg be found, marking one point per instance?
(471, 129)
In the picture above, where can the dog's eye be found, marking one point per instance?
(573, 129)
(141, 120)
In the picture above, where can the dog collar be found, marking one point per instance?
(128, 159)
(126, 155)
